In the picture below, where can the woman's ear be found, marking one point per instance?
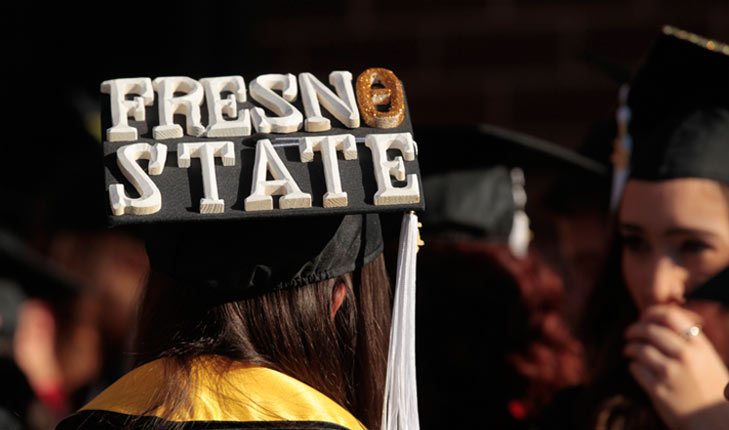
(338, 295)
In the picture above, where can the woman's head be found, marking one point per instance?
(308, 297)
(674, 217)
(675, 235)
(339, 348)
(673, 222)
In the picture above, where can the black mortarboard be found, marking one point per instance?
(477, 190)
(469, 204)
(483, 145)
(251, 196)
(679, 102)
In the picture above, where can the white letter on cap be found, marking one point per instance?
(169, 105)
(343, 107)
(283, 183)
(218, 126)
(206, 152)
(261, 91)
(387, 194)
(121, 108)
(150, 200)
(328, 146)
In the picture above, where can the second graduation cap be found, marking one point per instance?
(679, 103)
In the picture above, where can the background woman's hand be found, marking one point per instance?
(683, 375)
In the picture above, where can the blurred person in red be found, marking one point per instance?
(69, 300)
(65, 333)
(112, 267)
(33, 393)
(493, 345)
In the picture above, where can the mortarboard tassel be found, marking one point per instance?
(622, 150)
(400, 409)
(520, 235)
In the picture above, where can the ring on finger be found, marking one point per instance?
(692, 331)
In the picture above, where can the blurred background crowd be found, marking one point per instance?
(526, 90)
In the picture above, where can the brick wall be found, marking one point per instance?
(515, 63)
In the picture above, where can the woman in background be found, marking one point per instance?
(493, 344)
(494, 347)
(658, 357)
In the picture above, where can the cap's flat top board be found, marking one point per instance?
(182, 188)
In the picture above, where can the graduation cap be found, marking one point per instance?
(484, 145)
(478, 205)
(473, 204)
(247, 196)
(679, 118)
(478, 192)
(679, 104)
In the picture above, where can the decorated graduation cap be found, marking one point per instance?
(248, 189)
(679, 109)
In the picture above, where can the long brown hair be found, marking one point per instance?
(290, 331)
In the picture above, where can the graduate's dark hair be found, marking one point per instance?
(291, 331)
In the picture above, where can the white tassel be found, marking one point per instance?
(520, 235)
(400, 408)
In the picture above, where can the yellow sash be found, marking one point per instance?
(240, 394)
